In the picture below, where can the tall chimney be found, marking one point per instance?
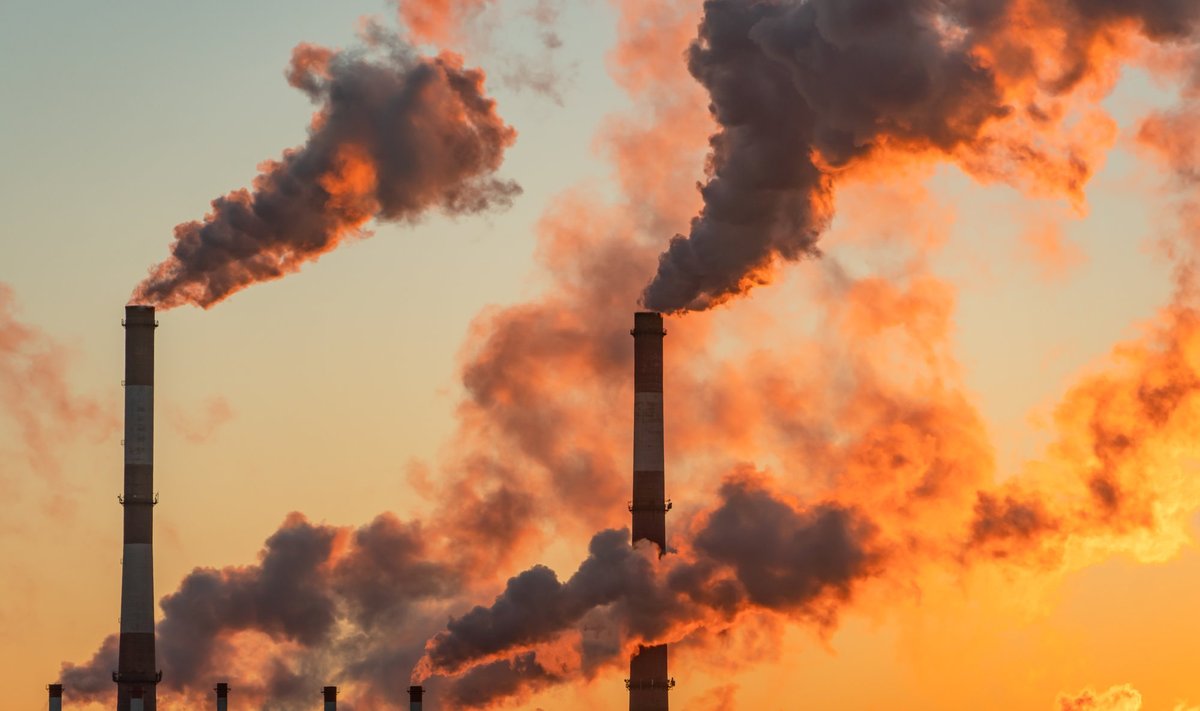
(330, 693)
(648, 682)
(415, 693)
(55, 697)
(222, 690)
(136, 663)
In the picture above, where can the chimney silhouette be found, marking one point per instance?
(648, 682)
(55, 696)
(222, 690)
(136, 666)
(415, 693)
(330, 693)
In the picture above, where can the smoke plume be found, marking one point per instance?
(395, 135)
(36, 395)
(803, 92)
(754, 551)
(314, 590)
(868, 416)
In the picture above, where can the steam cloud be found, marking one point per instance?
(802, 91)
(395, 135)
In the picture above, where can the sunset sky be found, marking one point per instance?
(991, 368)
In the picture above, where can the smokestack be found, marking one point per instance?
(330, 693)
(55, 697)
(222, 690)
(649, 505)
(136, 663)
(137, 699)
(414, 697)
(648, 682)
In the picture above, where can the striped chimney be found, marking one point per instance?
(222, 690)
(648, 682)
(136, 664)
(330, 693)
(55, 697)
(415, 694)
(137, 699)
(649, 505)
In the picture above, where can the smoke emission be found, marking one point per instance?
(804, 91)
(36, 396)
(316, 588)
(395, 135)
(754, 550)
(532, 457)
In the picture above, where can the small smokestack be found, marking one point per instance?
(222, 690)
(648, 682)
(330, 693)
(414, 697)
(55, 697)
(135, 699)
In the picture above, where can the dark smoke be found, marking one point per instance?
(503, 678)
(795, 86)
(536, 607)
(316, 588)
(754, 550)
(781, 558)
(396, 134)
(802, 89)
(93, 679)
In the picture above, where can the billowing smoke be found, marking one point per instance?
(395, 135)
(316, 589)
(895, 462)
(754, 550)
(804, 91)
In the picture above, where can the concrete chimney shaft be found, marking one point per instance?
(330, 693)
(136, 664)
(648, 682)
(222, 690)
(649, 504)
(415, 695)
(55, 696)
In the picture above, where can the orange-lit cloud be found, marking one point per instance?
(395, 135)
(880, 465)
(198, 425)
(1117, 698)
(804, 91)
(36, 394)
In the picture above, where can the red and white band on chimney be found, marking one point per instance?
(136, 666)
(648, 682)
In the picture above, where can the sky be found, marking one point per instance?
(944, 379)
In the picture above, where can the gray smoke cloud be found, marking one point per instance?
(753, 550)
(326, 591)
(801, 89)
(396, 134)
